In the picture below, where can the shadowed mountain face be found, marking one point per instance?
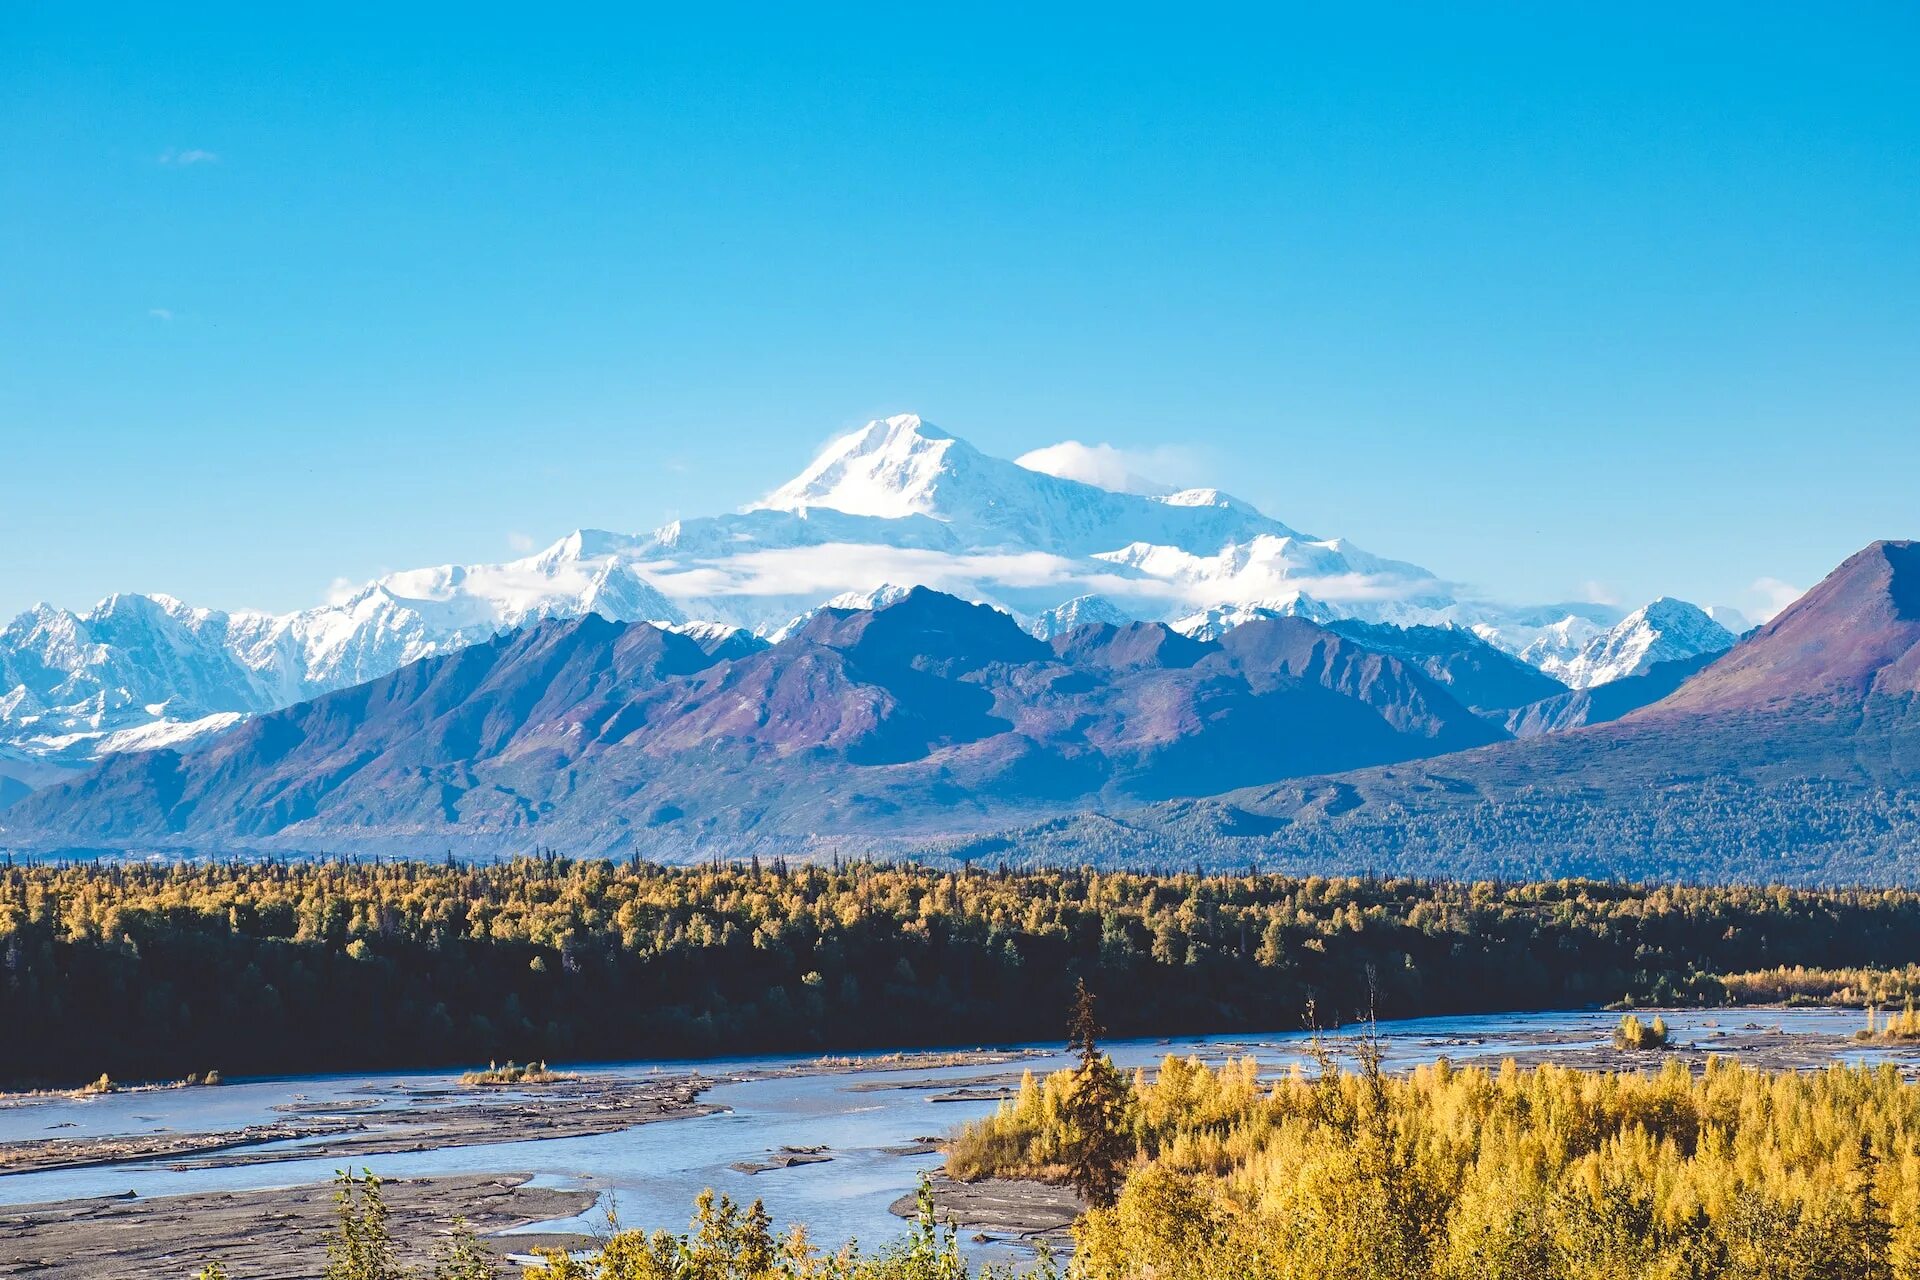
(929, 716)
(1474, 672)
(1795, 756)
(1577, 708)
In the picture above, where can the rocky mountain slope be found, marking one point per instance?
(1475, 672)
(1795, 756)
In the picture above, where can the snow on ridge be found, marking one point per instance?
(876, 597)
(1081, 611)
(1213, 622)
(83, 685)
(1664, 630)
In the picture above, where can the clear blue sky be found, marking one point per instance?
(1537, 296)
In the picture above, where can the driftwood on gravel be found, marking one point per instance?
(259, 1235)
(1014, 1208)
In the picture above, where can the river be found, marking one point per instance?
(650, 1174)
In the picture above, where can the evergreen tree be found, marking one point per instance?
(1098, 1145)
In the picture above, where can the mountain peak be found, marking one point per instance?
(913, 424)
(1081, 611)
(1855, 635)
(584, 544)
(904, 466)
(888, 468)
(1665, 608)
(924, 626)
(1663, 630)
(1208, 498)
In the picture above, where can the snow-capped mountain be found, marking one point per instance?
(1216, 620)
(1666, 630)
(1081, 611)
(902, 501)
(901, 467)
(898, 502)
(136, 671)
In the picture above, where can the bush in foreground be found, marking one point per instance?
(1635, 1034)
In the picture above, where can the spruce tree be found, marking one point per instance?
(1098, 1146)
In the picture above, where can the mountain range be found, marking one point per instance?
(916, 721)
(913, 720)
(926, 716)
(1793, 757)
(896, 504)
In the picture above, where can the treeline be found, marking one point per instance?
(148, 971)
(1451, 1174)
(1797, 984)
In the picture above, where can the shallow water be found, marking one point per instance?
(650, 1174)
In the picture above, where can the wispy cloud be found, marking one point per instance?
(520, 543)
(187, 156)
(1107, 466)
(161, 313)
(1734, 620)
(341, 590)
(1599, 593)
(1773, 595)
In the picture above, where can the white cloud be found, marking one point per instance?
(341, 590)
(831, 568)
(191, 155)
(1734, 620)
(1598, 593)
(1017, 579)
(161, 313)
(1773, 595)
(519, 543)
(1120, 470)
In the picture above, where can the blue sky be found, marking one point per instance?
(1555, 300)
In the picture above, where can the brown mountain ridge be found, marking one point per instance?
(1793, 757)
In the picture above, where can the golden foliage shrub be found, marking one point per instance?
(1475, 1174)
